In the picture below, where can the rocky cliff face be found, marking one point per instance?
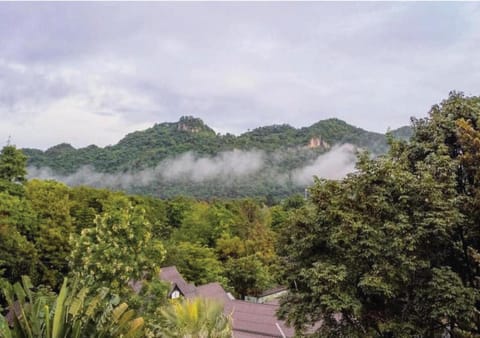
(318, 142)
(193, 125)
(185, 127)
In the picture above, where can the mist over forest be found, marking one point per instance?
(223, 168)
(188, 158)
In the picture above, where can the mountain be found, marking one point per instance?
(402, 133)
(283, 146)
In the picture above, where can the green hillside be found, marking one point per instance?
(146, 149)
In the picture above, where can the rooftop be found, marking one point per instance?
(249, 319)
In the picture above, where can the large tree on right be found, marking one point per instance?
(393, 249)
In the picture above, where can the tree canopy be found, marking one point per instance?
(392, 250)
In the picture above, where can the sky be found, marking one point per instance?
(89, 73)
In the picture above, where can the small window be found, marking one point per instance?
(175, 294)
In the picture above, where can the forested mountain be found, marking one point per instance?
(281, 149)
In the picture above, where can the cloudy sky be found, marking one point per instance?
(88, 73)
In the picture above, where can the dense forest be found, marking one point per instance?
(391, 250)
(101, 240)
(188, 158)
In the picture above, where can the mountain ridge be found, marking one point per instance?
(281, 151)
(140, 149)
(187, 122)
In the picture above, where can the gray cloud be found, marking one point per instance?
(99, 70)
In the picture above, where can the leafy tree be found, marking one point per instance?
(247, 275)
(12, 165)
(156, 215)
(197, 318)
(279, 216)
(86, 204)
(151, 297)
(230, 247)
(204, 223)
(17, 212)
(12, 171)
(391, 251)
(18, 255)
(293, 202)
(118, 249)
(51, 203)
(195, 262)
(176, 210)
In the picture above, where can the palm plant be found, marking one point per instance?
(197, 318)
(71, 314)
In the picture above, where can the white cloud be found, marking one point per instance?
(236, 65)
(335, 164)
(84, 111)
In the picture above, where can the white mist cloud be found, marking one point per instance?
(335, 164)
(188, 166)
(225, 167)
(85, 176)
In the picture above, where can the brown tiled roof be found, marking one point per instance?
(213, 291)
(257, 318)
(242, 334)
(250, 320)
(172, 275)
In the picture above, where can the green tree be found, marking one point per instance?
(390, 251)
(18, 255)
(86, 204)
(12, 170)
(13, 165)
(177, 209)
(247, 275)
(120, 248)
(156, 215)
(230, 247)
(205, 223)
(51, 203)
(197, 263)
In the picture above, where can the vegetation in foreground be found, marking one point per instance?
(393, 249)
(102, 240)
(390, 251)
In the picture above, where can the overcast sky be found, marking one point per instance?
(88, 73)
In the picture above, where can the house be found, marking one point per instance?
(249, 320)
